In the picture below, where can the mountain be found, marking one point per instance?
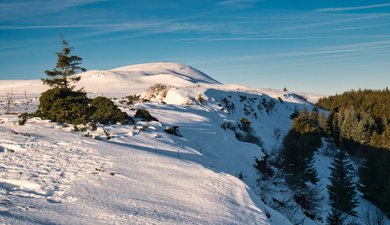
(120, 81)
(138, 173)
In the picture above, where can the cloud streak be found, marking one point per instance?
(241, 4)
(11, 10)
(343, 9)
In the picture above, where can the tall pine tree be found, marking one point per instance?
(66, 67)
(342, 190)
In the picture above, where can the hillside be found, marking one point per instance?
(51, 174)
(120, 81)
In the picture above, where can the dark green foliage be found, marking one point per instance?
(106, 112)
(131, 99)
(173, 130)
(359, 122)
(243, 131)
(72, 109)
(375, 178)
(306, 122)
(144, 115)
(64, 105)
(342, 191)
(385, 200)
(362, 112)
(263, 167)
(298, 148)
(228, 105)
(245, 124)
(310, 172)
(309, 198)
(251, 138)
(268, 105)
(324, 124)
(335, 217)
(294, 115)
(23, 118)
(299, 145)
(67, 106)
(66, 67)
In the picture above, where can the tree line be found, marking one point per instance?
(359, 123)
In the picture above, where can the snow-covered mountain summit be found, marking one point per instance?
(182, 71)
(122, 80)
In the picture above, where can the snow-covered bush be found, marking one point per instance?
(243, 131)
(157, 91)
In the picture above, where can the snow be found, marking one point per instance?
(62, 177)
(50, 174)
(122, 81)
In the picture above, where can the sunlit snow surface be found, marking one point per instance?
(50, 174)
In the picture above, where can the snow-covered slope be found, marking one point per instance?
(184, 72)
(120, 81)
(50, 174)
(140, 176)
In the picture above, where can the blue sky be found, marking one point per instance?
(320, 46)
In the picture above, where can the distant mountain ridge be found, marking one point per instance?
(124, 80)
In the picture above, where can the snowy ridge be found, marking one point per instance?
(182, 71)
(142, 175)
(120, 81)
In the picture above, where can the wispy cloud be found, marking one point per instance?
(335, 52)
(238, 3)
(12, 10)
(342, 9)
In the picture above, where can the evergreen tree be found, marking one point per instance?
(310, 172)
(385, 200)
(335, 217)
(61, 103)
(298, 149)
(342, 190)
(368, 175)
(299, 146)
(66, 67)
(324, 124)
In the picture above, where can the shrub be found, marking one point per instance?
(23, 118)
(263, 167)
(144, 115)
(106, 112)
(64, 105)
(131, 99)
(201, 99)
(243, 131)
(72, 109)
(245, 124)
(173, 130)
(157, 91)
